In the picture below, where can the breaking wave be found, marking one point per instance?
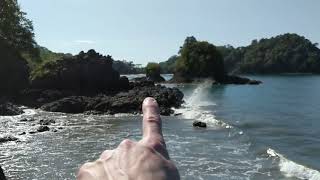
(293, 169)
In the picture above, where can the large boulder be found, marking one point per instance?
(9, 109)
(14, 70)
(122, 102)
(85, 72)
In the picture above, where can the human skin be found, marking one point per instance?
(147, 159)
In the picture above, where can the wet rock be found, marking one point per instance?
(231, 79)
(27, 120)
(47, 122)
(157, 79)
(177, 114)
(32, 132)
(199, 124)
(93, 112)
(255, 82)
(23, 133)
(24, 120)
(43, 129)
(54, 130)
(7, 139)
(122, 102)
(2, 176)
(9, 109)
(73, 104)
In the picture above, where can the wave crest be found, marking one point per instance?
(293, 169)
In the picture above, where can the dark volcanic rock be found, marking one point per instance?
(8, 109)
(156, 78)
(2, 176)
(47, 122)
(72, 104)
(43, 129)
(86, 72)
(123, 102)
(7, 138)
(230, 79)
(38, 97)
(199, 124)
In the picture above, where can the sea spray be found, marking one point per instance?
(193, 106)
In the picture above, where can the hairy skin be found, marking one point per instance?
(147, 159)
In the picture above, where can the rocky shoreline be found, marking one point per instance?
(87, 83)
(112, 102)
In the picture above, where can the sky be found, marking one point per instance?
(148, 30)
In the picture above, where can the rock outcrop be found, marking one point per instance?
(85, 72)
(230, 79)
(122, 102)
(87, 83)
(7, 138)
(9, 109)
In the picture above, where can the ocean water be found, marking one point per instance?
(270, 131)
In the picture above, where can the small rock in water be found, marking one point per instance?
(24, 120)
(47, 122)
(177, 114)
(23, 133)
(7, 138)
(43, 128)
(27, 119)
(32, 132)
(199, 124)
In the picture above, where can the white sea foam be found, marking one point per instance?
(29, 112)
(293, 169)
(192, 109)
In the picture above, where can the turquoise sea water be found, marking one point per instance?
(270, 131)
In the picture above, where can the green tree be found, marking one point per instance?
(200, 59)
(169, 65)
(153, 69)
(16, 29)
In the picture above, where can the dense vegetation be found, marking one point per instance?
(168, 66)
(153, 69)
(14, 71)
(16, 30)
(127, 67)
(199, 59)
(287, 53)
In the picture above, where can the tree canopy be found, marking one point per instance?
(199, 59)
(168, 66)
(287, 53)
(16, 29)
(153, 69)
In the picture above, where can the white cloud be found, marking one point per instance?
(84, 42)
